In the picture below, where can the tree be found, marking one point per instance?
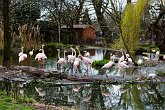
(157, 26)
(7, 36)
(98, 6)
(86, 19)
(130, 27)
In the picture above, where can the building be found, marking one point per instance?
(83, 34)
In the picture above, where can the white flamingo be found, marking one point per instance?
(157, 55)
(31, 52)
(163, 57)
(140, 62)
(152, 75)
(86, 54)
(20, 53)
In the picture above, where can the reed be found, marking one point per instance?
(30, 36)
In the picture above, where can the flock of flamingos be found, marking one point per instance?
(77, 60)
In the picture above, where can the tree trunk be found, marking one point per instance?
(100, 17)
(7, 36)
(157, 29)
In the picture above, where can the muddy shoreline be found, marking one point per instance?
(25, 73)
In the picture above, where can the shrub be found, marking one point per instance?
(99, 63)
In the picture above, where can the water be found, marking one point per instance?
(92, 96)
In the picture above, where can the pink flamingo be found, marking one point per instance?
(87, 60)
(108, 65)
(77, 61)
(41, 57)
(71, 57)
(61, 61)
(22, 56)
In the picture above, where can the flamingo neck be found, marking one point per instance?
(43, 51)
(74, 52)
(22, 49)
(58, 54)
(78, 51)
(64, 54)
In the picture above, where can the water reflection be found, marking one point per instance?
(92, 96)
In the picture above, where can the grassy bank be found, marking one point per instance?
(10, 102)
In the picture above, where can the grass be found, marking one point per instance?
(7, 102)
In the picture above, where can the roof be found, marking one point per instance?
(78, 26)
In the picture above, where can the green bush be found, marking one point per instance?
(99, 63)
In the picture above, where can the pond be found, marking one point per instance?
(93, 96)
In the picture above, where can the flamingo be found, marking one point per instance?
(71, 57)
(86, 54)
(157, 55)
(163, 57)
(40, 92)
(152, 75)
(76, 88)
(112, 57)
(124, 60)
(108, 65)
(41, 57)
(140, 62)
(123, 57)
(145, 58)
(123, 64)
(20, 53)
(61, 61)
(22, 56)
(77, 61)
(87, 60)
(31, 52)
